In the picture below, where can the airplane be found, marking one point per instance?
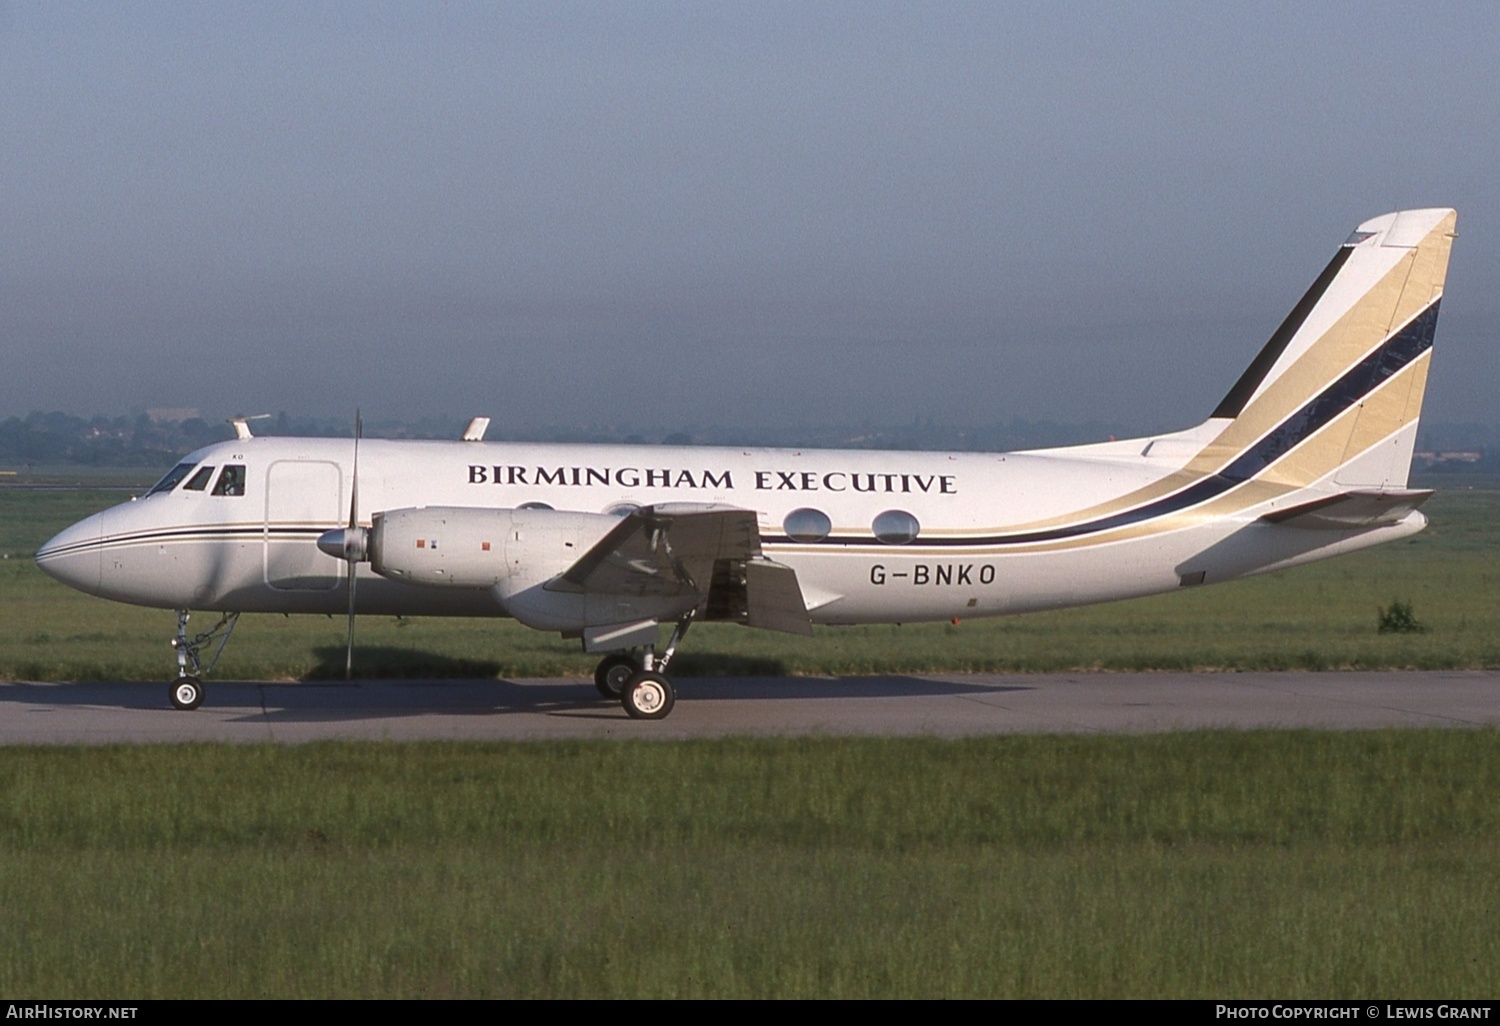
(1306, 457)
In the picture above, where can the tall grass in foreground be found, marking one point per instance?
(1210, 864)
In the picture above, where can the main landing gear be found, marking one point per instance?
(613, 672)
(640, 681)
(187, 689)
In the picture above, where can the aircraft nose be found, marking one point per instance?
(75, 556)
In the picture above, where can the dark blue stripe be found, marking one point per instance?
(1398, 351)
(1367, 375)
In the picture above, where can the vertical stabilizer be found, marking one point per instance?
(1337, 391)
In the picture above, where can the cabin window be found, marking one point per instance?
(533, 505)
(622, 509)
(199, 481)
(231, 481)
(175, 475)
(896, 527)
(807, 525)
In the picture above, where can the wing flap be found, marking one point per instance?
(663, 551)
(707, 552)
(774, 599)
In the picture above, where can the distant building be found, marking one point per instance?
(1431, 458)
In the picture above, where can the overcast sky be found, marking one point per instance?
(678, 214)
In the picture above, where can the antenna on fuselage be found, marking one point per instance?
(242, 423)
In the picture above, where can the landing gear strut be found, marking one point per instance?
(646, 692)
(187, 690)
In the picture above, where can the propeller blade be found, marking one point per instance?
(354, 486)
(353, 564)
(349, 650)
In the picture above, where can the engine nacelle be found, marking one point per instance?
(463, 547)
(514, 553)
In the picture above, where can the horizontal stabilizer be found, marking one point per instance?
(1352, 510)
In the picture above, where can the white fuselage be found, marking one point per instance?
(1307, 455)
(997, 533)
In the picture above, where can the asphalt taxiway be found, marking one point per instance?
(944, 705)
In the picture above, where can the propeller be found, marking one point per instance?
(353, 528)
(351, 544)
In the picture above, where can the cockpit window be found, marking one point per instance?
(199, 481)
(231, 481)
(174, 475)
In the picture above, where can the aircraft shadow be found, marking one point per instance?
(501, 697)
(387, 662)
(392, 663)
(325, 701)
(108, 694)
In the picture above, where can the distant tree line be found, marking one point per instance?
(140, 441)
(131, 441)
(57, 438)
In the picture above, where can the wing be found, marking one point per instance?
(710, 552)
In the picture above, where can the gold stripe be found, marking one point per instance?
(1405, 291)
(1401, 293)
(1418, 389)
(1389, 410)
(1345, 343)
(1351, 433)
(1429, 270)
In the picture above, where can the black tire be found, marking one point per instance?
(612, 674)
(187, 693)
(648, 696)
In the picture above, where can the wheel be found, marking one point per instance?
(612, 673)
(187, 693)
(648, 696)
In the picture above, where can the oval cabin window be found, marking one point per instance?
(807, 525)
(896, 527)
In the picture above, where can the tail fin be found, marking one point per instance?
(1341, 381)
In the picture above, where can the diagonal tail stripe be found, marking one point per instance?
(1401, 349)
(1358, 382)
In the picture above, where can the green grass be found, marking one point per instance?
(1202, 864)
(1324, 616)
(1211, 864)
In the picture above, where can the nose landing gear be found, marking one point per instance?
(187, 693)
(187, 689)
